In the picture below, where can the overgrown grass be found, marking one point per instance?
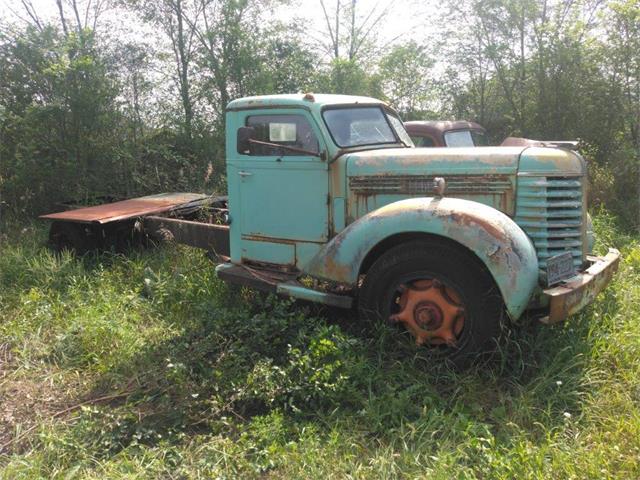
(147, 366)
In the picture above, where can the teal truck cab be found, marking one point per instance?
(329, 201)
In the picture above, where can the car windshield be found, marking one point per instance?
(351, 127)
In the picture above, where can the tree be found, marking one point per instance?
(351, 31)
(406, 79)
(621, 51)
(178, 20)
(60, 112)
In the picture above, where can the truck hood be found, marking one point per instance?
(435, 161)
(482, 174)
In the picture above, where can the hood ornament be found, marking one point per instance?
(439, 186)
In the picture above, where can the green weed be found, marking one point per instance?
(147, 366)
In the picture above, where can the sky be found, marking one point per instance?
(406, 18)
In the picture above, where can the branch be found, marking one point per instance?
(334, 41)
(78, 22)
(378, 19)
(62, 20)
(86, 14)
(66, 410)
(28, 6)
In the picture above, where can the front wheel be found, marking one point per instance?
(440, 293)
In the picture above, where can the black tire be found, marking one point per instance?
(452, 267)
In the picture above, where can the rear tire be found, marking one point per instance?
(429, 285)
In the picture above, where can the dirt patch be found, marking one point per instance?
(24, 399)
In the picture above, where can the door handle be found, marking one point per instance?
(244, 174)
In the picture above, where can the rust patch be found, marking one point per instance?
(572, 296)
(332, 268)
(335, 270)
(195, 234)
(490, 184)
(328, 267)
(273, 268)
(494, 190)
(465, 220)
(126, 209)
(262, 238)
(505, 253)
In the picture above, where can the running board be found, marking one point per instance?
(279, 283)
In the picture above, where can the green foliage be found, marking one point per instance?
(59, 118)
(105, 117)
(560, 70)
(147, 366)
(348, 77)
(407, 81)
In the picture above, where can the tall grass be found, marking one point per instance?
(147, 366)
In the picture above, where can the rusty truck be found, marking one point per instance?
(444, 133)
(462, 133)
(329, 201)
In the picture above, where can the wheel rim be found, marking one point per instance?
(431, 311)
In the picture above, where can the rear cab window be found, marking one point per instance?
(459, 138)
(465, 138)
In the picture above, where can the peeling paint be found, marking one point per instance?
(477, 227)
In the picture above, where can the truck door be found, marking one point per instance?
(283, 193)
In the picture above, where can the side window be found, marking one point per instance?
(423, 141)
(290, 130)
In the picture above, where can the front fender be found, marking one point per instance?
(492, 236)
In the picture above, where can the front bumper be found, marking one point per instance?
(577, 292)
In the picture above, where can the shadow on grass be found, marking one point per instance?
(247, 358)
(233, 357)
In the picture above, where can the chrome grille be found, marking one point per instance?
(550, 211)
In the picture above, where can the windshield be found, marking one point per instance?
(351, 127)
(398, 126)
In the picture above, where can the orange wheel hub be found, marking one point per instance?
(432, 312)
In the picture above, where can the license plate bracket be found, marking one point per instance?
(560, 267)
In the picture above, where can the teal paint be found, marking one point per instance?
(498, 242)
(268, 252)
(305, 251)
(284, 199)
(550, 211)
(279, 199)
(313, 214)
(540, 161)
